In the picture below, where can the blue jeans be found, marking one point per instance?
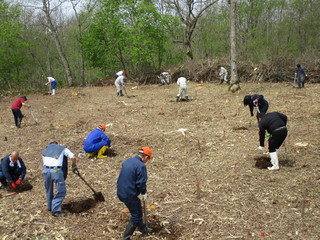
(53, 84)
(51, 177)
(134, 206)
(17, 116)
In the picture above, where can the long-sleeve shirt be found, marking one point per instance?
(119, 81)
(132, 178)
(223, 71)
(10, 169)
(182, 82)
(257, 101)
(301, 71)
(270, 122)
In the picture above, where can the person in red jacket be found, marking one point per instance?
(15, 107)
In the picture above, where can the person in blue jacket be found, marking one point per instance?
(12, 168)
(131, 183)
(257, 101)
(97, 142)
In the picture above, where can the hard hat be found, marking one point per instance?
(146, 150)
(103, 127)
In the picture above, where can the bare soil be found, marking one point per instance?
(211, 141)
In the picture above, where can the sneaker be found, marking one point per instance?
(59, 214)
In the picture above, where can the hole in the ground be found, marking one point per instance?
(263, 162)
(79, 206)
(169, 231)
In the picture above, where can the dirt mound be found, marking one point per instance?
(24, 186)
(80, 206)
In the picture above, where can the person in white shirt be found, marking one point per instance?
(120, 73)
(119, 85)
(55, 169)
(164, 78)
(223, 75)
(182, 83)
(53, 83)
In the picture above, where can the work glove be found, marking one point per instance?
(19, 181)
(260, 148)
(144, 196)
(74, 169)
(13, 185)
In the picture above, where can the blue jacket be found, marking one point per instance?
(95, 137)
(10, 172)
(132, 178)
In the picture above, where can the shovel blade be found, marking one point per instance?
(98, 196)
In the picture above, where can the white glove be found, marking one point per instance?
(260, 148)
(145, 196)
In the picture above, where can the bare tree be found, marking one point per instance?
(53, 30)
(190, 11)
(235, 86)
(80, 22)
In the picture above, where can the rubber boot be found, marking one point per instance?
(118, 94)
(187, 99)
(177, 99)
(274, 161)
(101, 152)
(53, 92)
(121, 94)
(144, 229)
(91, 155)
(131, 226)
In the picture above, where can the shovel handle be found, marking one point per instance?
(145, 212)
(78, 173)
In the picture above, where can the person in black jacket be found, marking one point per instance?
(12, 168)
(257, 101)
(275, 124)
(131, 183)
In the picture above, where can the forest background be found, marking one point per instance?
(83, 42)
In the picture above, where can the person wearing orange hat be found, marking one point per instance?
(131, 183)
(97, 142)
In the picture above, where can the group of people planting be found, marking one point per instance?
(133, 175)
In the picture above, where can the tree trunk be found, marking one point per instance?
(64, 60)
(82, 63)
(235, 86)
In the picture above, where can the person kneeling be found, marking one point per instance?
(97, 143)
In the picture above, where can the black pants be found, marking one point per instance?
(17, 116)
(277, 138)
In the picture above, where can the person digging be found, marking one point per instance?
(183, 88)
(15, 108)
(55, 170)
(275, 124)
(97, 143)
(131, 183)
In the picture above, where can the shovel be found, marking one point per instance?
(145, 219)
(97, 195)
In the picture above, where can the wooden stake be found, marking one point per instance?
(198, 191)
(303, 206)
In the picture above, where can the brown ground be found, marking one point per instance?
(237, 200)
